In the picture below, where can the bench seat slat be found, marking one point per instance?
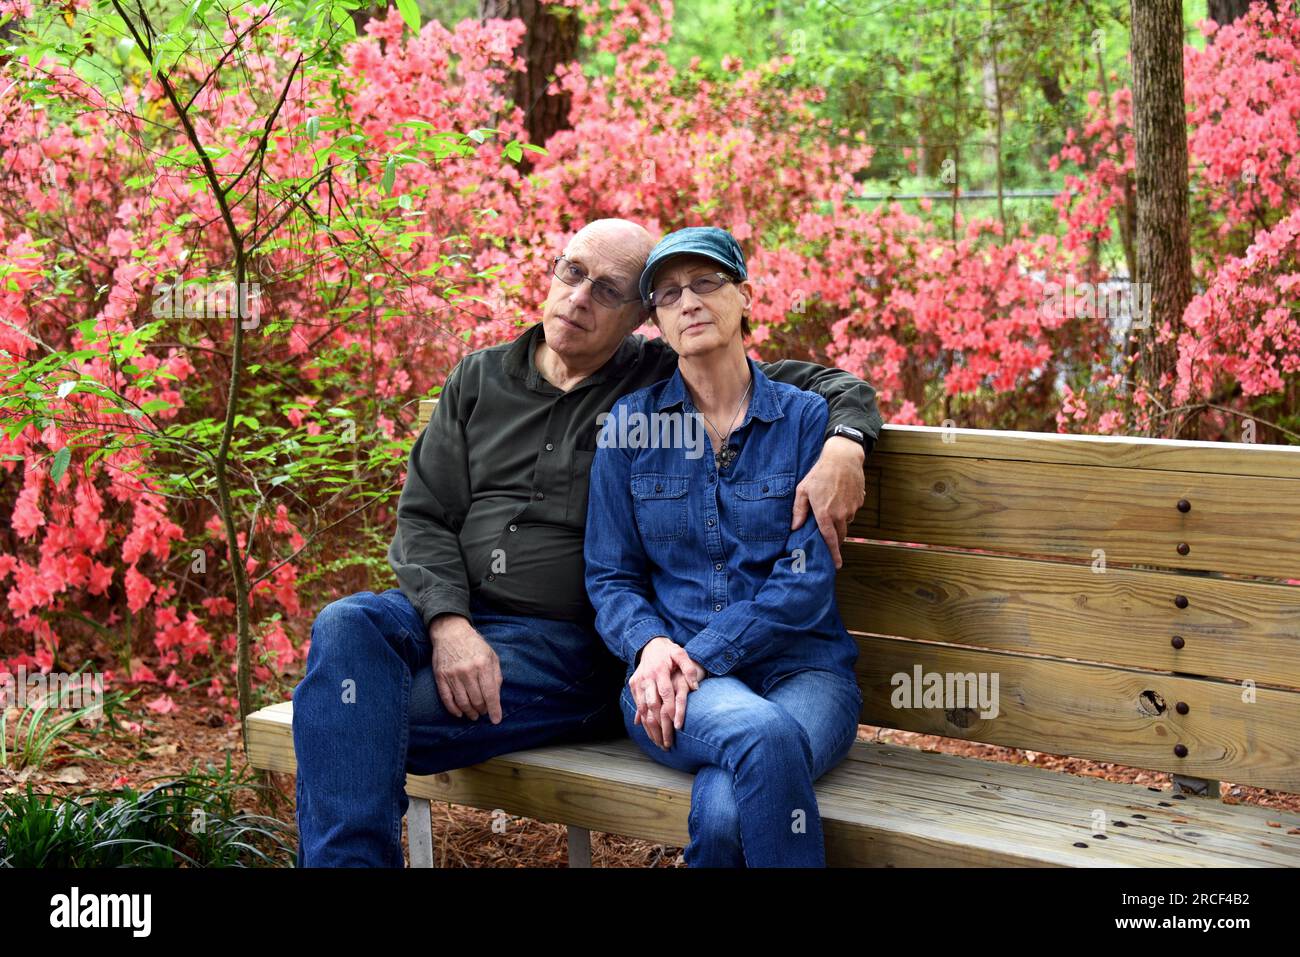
(884, 806)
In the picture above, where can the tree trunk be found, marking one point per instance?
(1160, 142)
(1225, 11)
(550, 39)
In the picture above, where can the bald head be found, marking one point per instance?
(623, 243)
(583, 332)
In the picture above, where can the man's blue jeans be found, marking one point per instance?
(755, 759)
(368, 711)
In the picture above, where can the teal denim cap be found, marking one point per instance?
(707, 241)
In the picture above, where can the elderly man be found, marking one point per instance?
(492, 618)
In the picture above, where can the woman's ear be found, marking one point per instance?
(746, 289)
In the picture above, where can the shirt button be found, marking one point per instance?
(550, 447)
(492, 578)
(659, 488)
(718, 567)
(717, 608)
(514, 528)
(538, 496)
(730, 656)
(764, 488)
(711, 523)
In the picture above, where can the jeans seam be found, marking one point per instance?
(403, 750)
(405, 632)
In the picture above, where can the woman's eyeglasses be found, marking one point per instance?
(700, 285)
(608, 296)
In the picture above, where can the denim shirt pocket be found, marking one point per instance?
(764, 508)
(659, 501)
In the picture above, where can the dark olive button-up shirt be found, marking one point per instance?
(495, 500)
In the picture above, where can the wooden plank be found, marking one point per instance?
(1230, 629)
(1112, 451)
(883, 806)
(1101, 712)
(1243, 525)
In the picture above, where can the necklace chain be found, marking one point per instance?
(724, 456)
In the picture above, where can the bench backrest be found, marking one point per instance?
(1136, 600)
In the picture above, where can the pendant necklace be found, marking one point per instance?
(726, 454)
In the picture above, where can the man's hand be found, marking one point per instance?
(835, 489)
(466, 669)
(659, 686)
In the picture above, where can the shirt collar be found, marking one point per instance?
(518, 361)
(762, 403)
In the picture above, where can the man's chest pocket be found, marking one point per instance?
(659, 502)
(764, 508)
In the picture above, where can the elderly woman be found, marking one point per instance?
(739, 667)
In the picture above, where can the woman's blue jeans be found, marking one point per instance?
(368, 711)
(755, 758)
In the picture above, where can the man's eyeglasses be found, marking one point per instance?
(700, 285)
(607, 295)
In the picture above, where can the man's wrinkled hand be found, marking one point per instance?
(466, 669)
(834, 489)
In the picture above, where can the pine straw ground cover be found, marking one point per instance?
(198, 735)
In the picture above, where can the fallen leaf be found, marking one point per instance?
(73, 774)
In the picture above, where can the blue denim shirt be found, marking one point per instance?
(677, 547)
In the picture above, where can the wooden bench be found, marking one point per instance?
(1130, 595)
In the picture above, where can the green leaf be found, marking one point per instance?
(390, 173)
(410, 13)
(61, 459)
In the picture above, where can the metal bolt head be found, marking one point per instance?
(1180, 750)
(1184, 505)
(1177, 641)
